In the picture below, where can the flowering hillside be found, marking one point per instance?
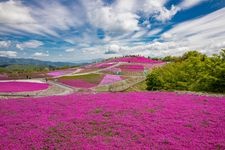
(134, 59)
(137, 120)
(112, 74)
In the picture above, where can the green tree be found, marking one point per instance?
(194, 71)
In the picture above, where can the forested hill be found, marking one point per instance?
(5, 61)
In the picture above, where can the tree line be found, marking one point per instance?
(193, 71)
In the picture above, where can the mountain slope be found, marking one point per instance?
(5, 61)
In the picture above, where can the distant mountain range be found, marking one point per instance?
(5, 61)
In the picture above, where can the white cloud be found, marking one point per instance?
(29, 44)
(8, 53)
(166, 36)
(122, 16)
(113, 49)
(154, 32)
(55, 15)
(139, 34)
(43, 18)
(5, 44)
(17, 18)
(123, 34)
(166, 14)
(48, 18)
(111, 18)
(14, 12)
(185, 4)
(40, 54)
(157, 9)
(205, 33)
(70, 50)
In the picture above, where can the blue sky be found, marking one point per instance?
(69, 30)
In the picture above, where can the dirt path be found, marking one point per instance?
(66, 89)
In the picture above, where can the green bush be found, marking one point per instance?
(194, 72)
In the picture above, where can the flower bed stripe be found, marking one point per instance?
(21, 86)
(108, 79)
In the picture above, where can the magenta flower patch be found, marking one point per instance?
(114, 70)
(136, 120)
(138, 59)
(21, 86)
(135, 68)
(59, 72)
(104, 65)
(108, 79)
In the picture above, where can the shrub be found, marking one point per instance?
(194, 72)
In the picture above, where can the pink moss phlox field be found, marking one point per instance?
(114, 70)
(136, 120)
(108, 79)
(104, 65)
(59, 72)
(137, 59)
(132, 67)
(21, 86)
(100, 65)
(79, 83)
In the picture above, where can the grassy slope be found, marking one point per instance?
(138, 87)
(92, 78)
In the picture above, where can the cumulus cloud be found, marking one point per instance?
(122, 16)
(5, 44)
(8, 53)
(112, 17)
(205, 34)
(29, 44)
(123, 31)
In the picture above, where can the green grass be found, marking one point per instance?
(92, 78)
(142, 86)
